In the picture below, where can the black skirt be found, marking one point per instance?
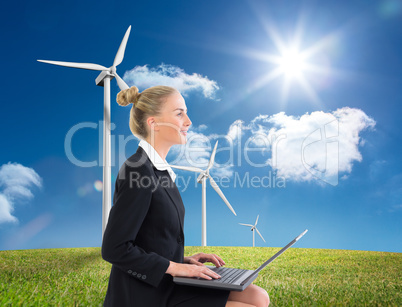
(189, 296)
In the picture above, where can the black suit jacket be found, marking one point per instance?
(144, 232)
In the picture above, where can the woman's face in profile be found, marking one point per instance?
(173, 123)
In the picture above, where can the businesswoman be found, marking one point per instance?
(144, 237)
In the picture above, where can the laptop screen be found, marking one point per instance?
(275, 256)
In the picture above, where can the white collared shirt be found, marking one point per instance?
(156, 159)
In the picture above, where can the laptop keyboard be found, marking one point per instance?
(228, 275)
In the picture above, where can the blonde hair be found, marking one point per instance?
(145, 104)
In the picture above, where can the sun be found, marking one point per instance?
(292, 64)
(300, 67)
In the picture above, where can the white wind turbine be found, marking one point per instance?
(204, 174)
(254, 227)
(103, 79)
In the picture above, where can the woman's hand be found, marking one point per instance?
(200, 258)
(190, 270)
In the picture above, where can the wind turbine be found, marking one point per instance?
(204, 174)
(103, 79)
(254, 227)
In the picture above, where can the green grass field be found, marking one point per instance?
(300, 277)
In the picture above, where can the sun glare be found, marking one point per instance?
(298, 66)
(291, 64)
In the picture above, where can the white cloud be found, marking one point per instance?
(313, 146)
(200, 128)
(165, 74)
(222, 172)
(15, 181)
(5, 210)
(197, 152)
(319, 147)
(235, 130)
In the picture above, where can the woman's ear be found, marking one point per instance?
(152, 124)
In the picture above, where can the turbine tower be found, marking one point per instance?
(103, 79)
(204, 174)
(254, 227)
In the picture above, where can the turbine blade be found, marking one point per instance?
(211, 160)
(260, 234)
(187, 168)
(77, 65)
(256, 221)
(218, 190)
(120, 82)
(120, 53)
(246, 224)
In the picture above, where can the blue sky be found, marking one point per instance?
(326, 138)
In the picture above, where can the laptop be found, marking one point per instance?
(232, 279)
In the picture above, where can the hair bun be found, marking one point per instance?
(130, 95)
